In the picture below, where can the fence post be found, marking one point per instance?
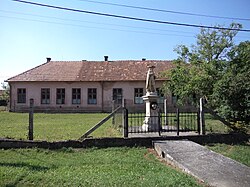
(125, 123)
(165, 111)
(113, 108)
(31, 112)
(159, 122)
(198, 122)
(202, 117)
(124, 103)
(178, 121)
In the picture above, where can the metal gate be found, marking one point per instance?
(167, 122)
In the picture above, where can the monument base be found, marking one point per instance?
(151, 121)
(151, 124)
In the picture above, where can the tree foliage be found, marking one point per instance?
(216, 69)
(231, 93)
(6, 93)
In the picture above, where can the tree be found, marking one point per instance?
(206, 68)
(232, 92)
(4, 98)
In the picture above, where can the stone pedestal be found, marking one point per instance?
(151, 121)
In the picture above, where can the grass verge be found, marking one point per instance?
(54, 127)
(239, 152)
(87, 167)
(213, 125)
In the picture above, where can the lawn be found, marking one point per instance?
(213, 125)
(88, 167)
(240, 152)
(54, 127)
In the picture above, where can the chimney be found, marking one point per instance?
(106, 58)
(48, 59)
(143, 59)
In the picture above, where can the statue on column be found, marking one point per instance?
(150, 81)
(151, 121)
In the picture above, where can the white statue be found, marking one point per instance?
(151, 121)
(150, 81)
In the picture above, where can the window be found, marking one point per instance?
(92, 96)
(60, 96)
(76, 96)
(117, 95)
(174, 99)
(138, 95)
(21, 95)
(45, 96)
(191, 100)
(161, 95)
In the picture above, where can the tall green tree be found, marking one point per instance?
(207, 66)
(231, 93)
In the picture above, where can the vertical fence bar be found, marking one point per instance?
(124, 103)
(165, 112)
(202, 117)
(31, 113)
(194, 121)
(178, 121)
(190, 121)
(125, 123)
(183, 121)
(159, 122)
(198, 123)
(113, 108)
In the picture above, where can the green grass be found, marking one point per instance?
(214, 126)
(88, 167)
(240, 153)
(54, 127)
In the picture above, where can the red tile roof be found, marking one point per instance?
(127, 70)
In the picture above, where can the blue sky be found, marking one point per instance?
(29, 34)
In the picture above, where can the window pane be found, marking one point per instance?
(92, 96)
(174, 99)
(138, 93)
(60, 96)
(45, 96)
(76, 96)
(21, 95)
(117, 95)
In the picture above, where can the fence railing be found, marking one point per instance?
(169, 122)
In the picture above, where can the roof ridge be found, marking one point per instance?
(110, 60)
(116, 62)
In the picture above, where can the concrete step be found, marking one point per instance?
(204, 164)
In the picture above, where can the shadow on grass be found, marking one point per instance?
(15, 183)
(22, 165)
(246, 144)
(29, 166)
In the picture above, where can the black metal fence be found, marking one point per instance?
(163, 122)
(136, 121)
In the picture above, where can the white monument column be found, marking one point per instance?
(151, 122)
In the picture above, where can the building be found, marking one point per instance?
(83, 86)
